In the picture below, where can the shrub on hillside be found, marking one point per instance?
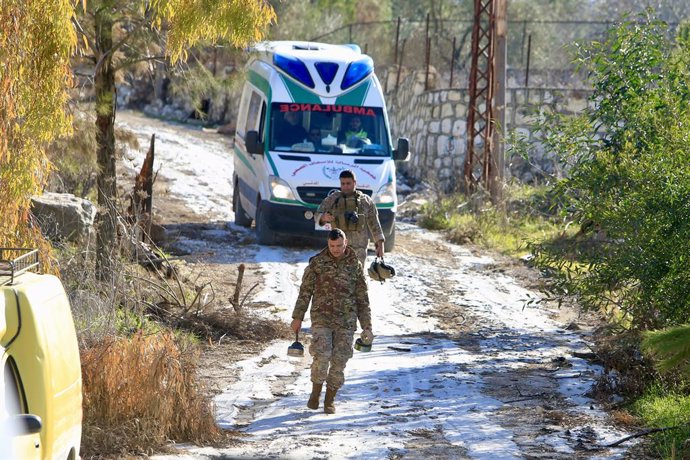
(629, 179)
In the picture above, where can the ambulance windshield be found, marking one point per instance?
(328, 129)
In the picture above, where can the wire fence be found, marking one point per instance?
(539, 53)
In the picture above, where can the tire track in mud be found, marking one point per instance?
(524, 370)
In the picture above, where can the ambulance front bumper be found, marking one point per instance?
(290, 220)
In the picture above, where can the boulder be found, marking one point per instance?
(63, 216)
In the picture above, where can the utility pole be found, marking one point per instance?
(500, 99)
(486, 112)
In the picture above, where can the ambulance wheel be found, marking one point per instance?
(389, 243)
(241, 217)
(264, 235)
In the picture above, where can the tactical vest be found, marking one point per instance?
(346, 206)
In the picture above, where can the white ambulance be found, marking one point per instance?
(309, 111)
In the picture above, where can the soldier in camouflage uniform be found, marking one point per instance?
(334, 284)
(355, 213)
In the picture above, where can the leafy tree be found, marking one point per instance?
(671, 347)
(36, 40)
(629, 177)
(119, 34)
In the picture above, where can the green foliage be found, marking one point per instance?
(671, 347)
(526, 215)
(629, 179)
(436, 216)
(659, 408)
(128, 322)
(237, 22)
(36, 39)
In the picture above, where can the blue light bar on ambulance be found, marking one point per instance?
(295, 68)
(327, 71)
(357, 71)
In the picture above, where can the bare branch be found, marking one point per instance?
(80, 29)
(129, 62)
(645, 433)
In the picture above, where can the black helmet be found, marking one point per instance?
(381, 271)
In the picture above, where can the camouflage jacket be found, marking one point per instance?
(368, 217)
(337, 291)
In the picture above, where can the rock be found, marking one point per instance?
(411, 207)
(63, 216)
(573, 327)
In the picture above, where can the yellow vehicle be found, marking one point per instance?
(40, 393)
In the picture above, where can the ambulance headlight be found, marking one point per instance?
(386, 194)
(281, 189)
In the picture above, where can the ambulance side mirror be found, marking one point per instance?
(251, 141)
(403, 151)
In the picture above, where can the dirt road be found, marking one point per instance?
(461, 366)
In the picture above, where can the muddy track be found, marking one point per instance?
(460, 368)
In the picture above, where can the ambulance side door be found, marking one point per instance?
(251, 168)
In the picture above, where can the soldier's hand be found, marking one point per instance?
(296, 325)
(379, 248)
(326, 217)
(367, 336)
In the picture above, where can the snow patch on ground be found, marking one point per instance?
(391, 398)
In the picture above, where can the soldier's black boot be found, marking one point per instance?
(313, 402)
(328, 403)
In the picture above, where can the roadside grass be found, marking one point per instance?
(140, 392)
(140, 339)
(661, 407)
(526, 214)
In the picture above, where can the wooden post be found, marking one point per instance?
(452, 65)
(238, 287)
(140, 211)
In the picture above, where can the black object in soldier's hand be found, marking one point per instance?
(296, 349)
(361, 346)
(352, 217)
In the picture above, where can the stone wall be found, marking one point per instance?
(435, 121)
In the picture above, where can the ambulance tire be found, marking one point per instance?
(389, 243)
(241, 217)
(264, 235)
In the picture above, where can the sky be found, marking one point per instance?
(416, 386)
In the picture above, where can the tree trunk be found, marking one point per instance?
(104, 81)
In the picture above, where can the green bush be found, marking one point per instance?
(526, 214)
(669, 412)
(628, 183)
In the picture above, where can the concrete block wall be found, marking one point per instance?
(435, 121)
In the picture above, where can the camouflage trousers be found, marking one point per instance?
(330, 350)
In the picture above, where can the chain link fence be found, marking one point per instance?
(539, 53)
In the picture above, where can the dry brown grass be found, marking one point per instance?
(625, 418)
(140, 392)
(626, 371)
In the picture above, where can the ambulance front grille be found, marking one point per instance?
(315, 195)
